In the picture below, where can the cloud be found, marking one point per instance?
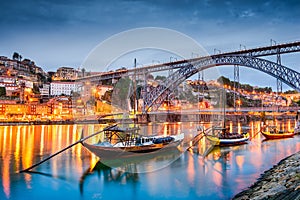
(75, 26)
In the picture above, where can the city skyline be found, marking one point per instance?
(55, 34)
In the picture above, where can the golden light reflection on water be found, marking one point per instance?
(239, 159)
(191, 171)
(6, 163)
(22, 146)
(217, 174)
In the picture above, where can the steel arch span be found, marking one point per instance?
(154, 98)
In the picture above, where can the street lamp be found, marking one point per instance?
(242, 46)
(273, 41)
(216, 51)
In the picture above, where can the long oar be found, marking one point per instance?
(196, 141)
(71, 145)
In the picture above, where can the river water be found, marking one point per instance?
(77, 174)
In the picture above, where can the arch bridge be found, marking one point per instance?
(154, 98)
(186, 68)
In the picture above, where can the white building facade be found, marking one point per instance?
(59, 88)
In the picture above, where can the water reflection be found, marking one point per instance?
(220, 174)
(108, 174)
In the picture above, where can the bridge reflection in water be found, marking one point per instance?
(224, 172)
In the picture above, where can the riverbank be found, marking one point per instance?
(57, 122)
(280, 182)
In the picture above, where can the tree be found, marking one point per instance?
(224, 81)
(2, 91)
(107, 96)
(16, 56)
(162, 78)
(290, 92)
(83, 72)
(36, 89)
(150, 76)
(121, 90)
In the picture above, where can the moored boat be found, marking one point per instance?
(277, 135)
(274, 133)
(126, 143)
(223, 138)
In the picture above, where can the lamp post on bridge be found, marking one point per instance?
(242, 46)
(236, 72)
(273, 41)
(202, 71)
(217, 51)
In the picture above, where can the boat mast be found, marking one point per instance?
(224, 114)
(224, 104)
(134, 89)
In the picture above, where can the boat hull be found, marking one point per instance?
(227, 141)
(115, 153)
(269, 135)
(233, 141)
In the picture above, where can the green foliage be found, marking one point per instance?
(36, 89)
(246, 87)
(107, 95)
(224, 81)
(290, 92)
(188, 95)
(75, 94)
(2, 91)
(16, 56)
(120, 94)
(162, 78)
(264, 90)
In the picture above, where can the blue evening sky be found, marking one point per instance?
(62, 33)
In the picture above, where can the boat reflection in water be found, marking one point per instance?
(109, 174)
(144, 162)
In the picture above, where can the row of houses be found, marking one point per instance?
(13, 86)
(59, 106)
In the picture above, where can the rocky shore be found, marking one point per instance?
(281, 182)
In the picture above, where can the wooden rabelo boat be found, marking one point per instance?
(120, 143)
(221, 136)
(274, 133)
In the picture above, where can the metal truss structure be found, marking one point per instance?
(156, 96)
(186, 68)
(255, 52)
(268, 50)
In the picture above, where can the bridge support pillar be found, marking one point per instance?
(279, 82)
(236, 85)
